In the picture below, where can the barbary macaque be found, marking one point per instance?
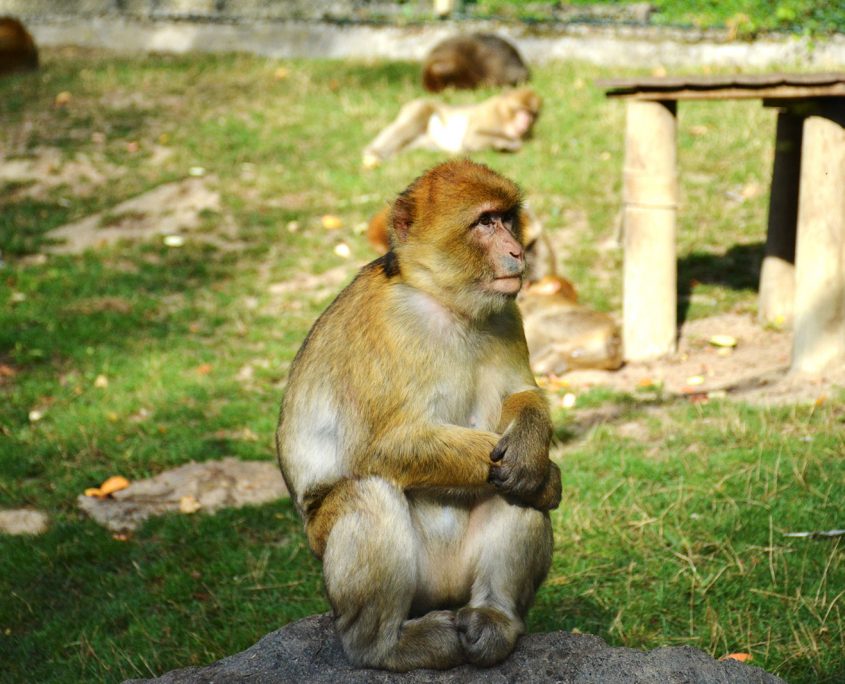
(562, 335)
(17, 49)
(415, 441)
(473, 61)
(502, 122)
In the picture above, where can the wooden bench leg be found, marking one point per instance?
(777, 277)
(650, 198)
(819, 329)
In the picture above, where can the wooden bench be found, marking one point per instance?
(803, 274)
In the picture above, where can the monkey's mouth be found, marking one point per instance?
(507, 284)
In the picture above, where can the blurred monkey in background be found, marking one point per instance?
(17, 48)
(473, 61)
(502, 122)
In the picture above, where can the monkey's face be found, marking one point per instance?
(501, 256)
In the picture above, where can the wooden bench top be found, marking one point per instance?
(727, 87)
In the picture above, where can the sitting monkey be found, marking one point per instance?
(502, 122)
(415, 441)
(473, 61)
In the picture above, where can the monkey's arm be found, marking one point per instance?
(521, 458)
(430, 455)
(403, 132)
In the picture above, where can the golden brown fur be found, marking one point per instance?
(472, 61)
(414, 439)
(502, 122)
(17, 49)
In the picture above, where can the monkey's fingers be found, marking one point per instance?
(499, 450)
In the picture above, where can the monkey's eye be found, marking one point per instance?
(486, 220)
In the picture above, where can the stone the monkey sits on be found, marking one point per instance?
(414, 439)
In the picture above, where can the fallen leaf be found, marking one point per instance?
(101, 381)
(188, 504)
(342, 250)
(120, 536)
(722, 340)
(133, 146)
(112, 484)
(7, 371)
(281, 73)
(331, 222)
(63, 99)
(203, 369)
(741, 657)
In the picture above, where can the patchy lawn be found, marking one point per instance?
(135, 357)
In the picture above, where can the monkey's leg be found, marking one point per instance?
(511, 551)
(370, 569)
(404, 131)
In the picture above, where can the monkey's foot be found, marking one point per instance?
(487, 635)
(430, 641)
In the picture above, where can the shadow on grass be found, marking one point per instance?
(553, 611)
(75, 305)
(738, 269)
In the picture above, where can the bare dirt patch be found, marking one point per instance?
(192, 488)
(167, 210)
(755, 371)
(46, 169)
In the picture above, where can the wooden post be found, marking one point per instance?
(650, 198)
(777, 277)
(819, 337)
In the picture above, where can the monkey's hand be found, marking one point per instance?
(521, 466)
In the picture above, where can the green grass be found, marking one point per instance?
(745, 18)
(674, 538)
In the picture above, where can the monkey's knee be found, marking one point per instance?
(487, 635)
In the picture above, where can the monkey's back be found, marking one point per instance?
(471, 61)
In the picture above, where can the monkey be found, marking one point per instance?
(562, 335)
(17, 48)
(502, 123)
(415, 441)
(472, 61)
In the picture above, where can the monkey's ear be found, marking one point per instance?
(402, 216)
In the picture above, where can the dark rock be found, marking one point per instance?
(309, 651)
